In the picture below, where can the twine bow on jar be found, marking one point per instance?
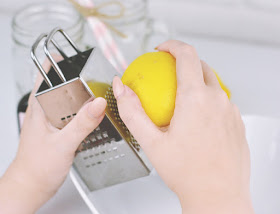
(95, 12)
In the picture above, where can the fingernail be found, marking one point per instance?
(96, 107)
(118, 87)
(158, 47)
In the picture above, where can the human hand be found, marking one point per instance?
(203, 155)
(45, 155)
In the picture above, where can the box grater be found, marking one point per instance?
(109, 155)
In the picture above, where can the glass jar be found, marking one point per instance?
(142, 34)
(28, 23)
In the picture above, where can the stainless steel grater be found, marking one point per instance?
(109, 155)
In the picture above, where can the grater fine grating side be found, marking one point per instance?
(109, 155)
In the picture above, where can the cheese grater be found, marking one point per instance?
(109, 155)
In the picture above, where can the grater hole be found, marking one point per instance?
(99, 137)
(93, 139)
(69, 116)
(87, 166)
(85, 158)
(105, 134)
(99, 162)
(63, 118)
(103, 152)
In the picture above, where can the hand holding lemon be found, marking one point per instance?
(202, 155)
(152, 77)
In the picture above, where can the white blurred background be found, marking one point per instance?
(246, 20)
(239, 38)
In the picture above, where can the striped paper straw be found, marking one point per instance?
(105, 40)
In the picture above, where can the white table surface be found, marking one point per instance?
(251, 72)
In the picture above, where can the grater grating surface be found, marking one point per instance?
(109, 155)
(103, 155)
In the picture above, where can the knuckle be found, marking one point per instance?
(187, 50)
(173, 44)
(223, 95)
(222, 98)
(83, 126)
(128, 107)
(236, 109)
(198, 96)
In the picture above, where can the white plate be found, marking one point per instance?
(263, 135)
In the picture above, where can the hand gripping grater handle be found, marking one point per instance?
(63, 96)
(109, 155)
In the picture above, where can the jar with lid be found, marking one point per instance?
(28, 23)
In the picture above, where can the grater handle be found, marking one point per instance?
(36, 61)
(47, 52)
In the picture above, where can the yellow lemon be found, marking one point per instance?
(152, 77)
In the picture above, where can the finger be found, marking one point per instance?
(134, 116)
(34, 107)
(39, 78)
(209, 76)
(188, 66)
(87, 119)
(46, 66)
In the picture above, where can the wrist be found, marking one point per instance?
(19, 193)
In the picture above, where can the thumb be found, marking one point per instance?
(134, 116)
(87, 119)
